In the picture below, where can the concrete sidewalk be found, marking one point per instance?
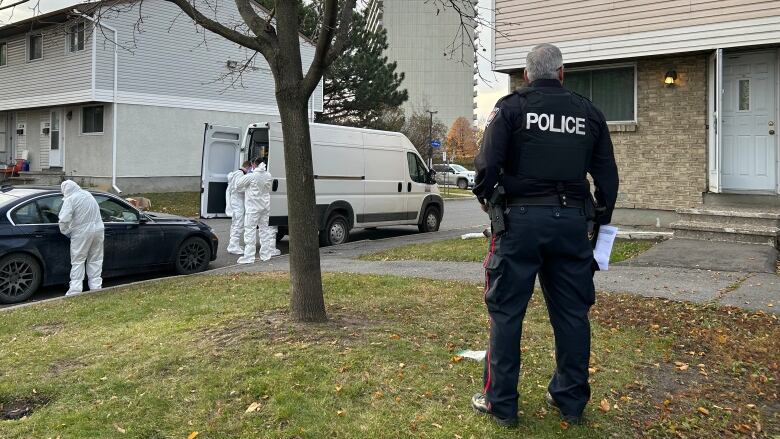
(703, 272)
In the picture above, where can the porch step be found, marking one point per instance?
(717, 231)
(43, 178)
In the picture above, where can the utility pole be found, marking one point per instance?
(430, 139)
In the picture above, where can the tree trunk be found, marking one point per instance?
(306, 301)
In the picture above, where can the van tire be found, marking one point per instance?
(430, 221)
(463, 183)
(281, 233)
(336, 231)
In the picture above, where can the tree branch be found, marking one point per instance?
(13, 4)
(233, 35)
(328, 50)
(258, 25)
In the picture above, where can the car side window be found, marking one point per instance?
(27, 214)
(416, 168)
(49, 208)
(113, 211)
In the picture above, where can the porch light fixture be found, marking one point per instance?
(670, 77)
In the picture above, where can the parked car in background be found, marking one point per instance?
(454, 174)
(33, 252)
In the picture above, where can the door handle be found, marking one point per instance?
(400, 186)
(408, 187)
(275, 185)
(38, 233)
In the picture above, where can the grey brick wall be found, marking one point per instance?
(663, 158)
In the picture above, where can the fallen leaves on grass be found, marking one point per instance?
(254, 407)
(704, 411)
(120, 429)
(193, 435)
(604, 406)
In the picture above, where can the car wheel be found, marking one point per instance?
(193, 256)
(463, 184)
(430, 220)
(336, 232)
(20, 277)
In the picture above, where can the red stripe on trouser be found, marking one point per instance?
(487, 287)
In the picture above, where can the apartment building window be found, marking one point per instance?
(612, 90)
(3, 54)
(35, 47)
(76, 38)
(92, 119)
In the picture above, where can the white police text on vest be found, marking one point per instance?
(547, 122)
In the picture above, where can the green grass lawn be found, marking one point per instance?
(175, 203)
(455, 193)
(474, 250)
(218, 356)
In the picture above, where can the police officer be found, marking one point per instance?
(540, 143)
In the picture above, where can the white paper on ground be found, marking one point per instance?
(604, 244)
(472, 236)
(474, 355)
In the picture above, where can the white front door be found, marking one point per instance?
(55, 140)
(749, 122)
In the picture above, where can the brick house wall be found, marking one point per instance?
(663, 157)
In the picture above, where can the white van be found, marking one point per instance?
(363, 178)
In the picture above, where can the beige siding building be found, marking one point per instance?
(431, 50)
(691, 90)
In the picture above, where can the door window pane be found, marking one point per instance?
(113, 211)
(35, 47)
(92, 119)
(611, 90)
(744, 95)
(416, 168)
(27, 214)
(49, 208)
(54, 136)
(3, 54)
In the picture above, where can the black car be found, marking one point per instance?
(33, 252)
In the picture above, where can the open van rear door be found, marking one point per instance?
(221, 155)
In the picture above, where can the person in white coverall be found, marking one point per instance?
(234, 208)
(80, 220)
(257, 197)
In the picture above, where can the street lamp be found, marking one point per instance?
(430, 139)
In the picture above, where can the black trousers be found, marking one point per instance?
(551, 242)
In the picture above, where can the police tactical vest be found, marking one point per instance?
(554, 139)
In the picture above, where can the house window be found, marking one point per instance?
(76, 38)
(612, 90)
(3, 54)
(92, 119)
(35, 47)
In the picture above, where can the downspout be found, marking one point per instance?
(115, 109)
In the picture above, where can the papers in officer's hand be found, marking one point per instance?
(604, 244)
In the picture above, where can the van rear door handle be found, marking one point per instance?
(408, 187)
(400, 186)
(275, 185)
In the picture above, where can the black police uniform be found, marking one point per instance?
(540, 143)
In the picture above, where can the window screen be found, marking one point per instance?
(36, 47)
(611, 90)
(92, 119)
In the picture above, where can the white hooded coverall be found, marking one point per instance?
(80, 220)
(234, 208)
(257, 196)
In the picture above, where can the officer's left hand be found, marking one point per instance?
(484, 207)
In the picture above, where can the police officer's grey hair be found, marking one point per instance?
(543, 62)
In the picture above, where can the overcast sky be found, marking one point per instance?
(491, 87)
